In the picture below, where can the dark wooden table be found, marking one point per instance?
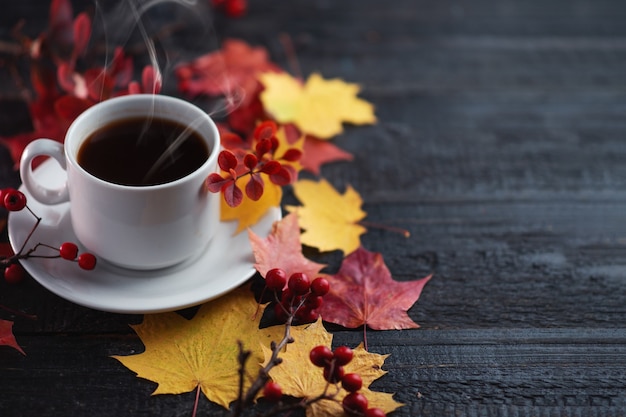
(501, 146)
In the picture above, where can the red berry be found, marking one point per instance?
(307, 315)
(335, 376)
(68, 250)
(320, 286)
(321, 355)
(299, 283)
(14, 200)
(354, 404)
(375, 412)
(3, 193)
(280, 313)
(272, 392)
(87, 261)
(14, 273)
(343, 355)
(351, 382)
(275, 279)
(313, 302)
(288, 299)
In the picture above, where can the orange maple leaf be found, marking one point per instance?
(282, 249)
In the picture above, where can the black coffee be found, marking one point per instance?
(140, 151)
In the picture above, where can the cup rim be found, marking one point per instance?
(167, 100)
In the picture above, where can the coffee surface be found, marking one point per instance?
(142, 152)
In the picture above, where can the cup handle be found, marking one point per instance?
(43, 147)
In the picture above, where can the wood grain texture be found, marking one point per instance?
(500, 146)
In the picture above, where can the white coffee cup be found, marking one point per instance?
(138, 227)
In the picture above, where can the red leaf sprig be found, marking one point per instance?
(261, 159)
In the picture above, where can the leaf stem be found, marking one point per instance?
(195, 404)
(403, 232)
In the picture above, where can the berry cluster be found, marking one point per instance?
(14, 200)
(232, 8)
(260, 160)
(297, 297)
(333, 361)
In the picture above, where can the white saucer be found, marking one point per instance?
(226, 263)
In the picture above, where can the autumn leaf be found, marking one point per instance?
(6, 336)
(249, 212)
(330, 219)
(299, 378)
(364, 293)
(318, 152)
(282, 249)
(319, 107)
(231, 70)
(284, 144)
(182, 355)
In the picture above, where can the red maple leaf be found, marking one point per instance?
(363, 293)
(231, 71)
(6, 336)
(318, 152)
(282, 249)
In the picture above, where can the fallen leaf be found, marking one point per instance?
(182, 355)
(284, 145)
(231, 71)
(364, 293)
(282, 249)
(319, 107)
(6, 336)
(330, 219)
(249, 212)
(318, 152)
(299, 378)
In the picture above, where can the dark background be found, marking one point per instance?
(500, 145)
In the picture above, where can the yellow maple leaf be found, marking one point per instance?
(330, 219)
(182, 355)
(299, 378)
(318, 107)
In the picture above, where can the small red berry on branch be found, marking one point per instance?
(68, 250)
(14, 273)
(321, 356)
(343, 355)
(272, 392)
(354, 404)
(14, 200)
(351, 382)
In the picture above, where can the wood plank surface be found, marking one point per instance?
(500, 145)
